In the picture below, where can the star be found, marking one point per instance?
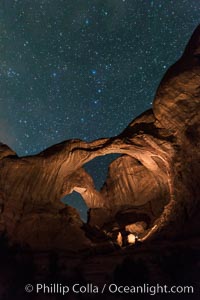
(94, 72)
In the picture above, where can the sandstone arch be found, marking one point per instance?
(160, 151)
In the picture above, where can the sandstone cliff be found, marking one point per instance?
(156, 180)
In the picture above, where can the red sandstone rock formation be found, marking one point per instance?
(156, 179)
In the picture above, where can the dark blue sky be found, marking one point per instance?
(84, 69)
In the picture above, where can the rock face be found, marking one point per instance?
(155, 181)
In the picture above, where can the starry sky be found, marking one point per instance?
(84, 68)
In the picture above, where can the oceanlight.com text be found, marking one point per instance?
(76, 288)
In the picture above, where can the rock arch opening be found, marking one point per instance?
(132, 193)
(98, 168)
(75, 200)
(136, 185)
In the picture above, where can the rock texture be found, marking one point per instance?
(156, 180)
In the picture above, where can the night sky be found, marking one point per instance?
(84, 69)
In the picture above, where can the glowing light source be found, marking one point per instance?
(131, 238)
